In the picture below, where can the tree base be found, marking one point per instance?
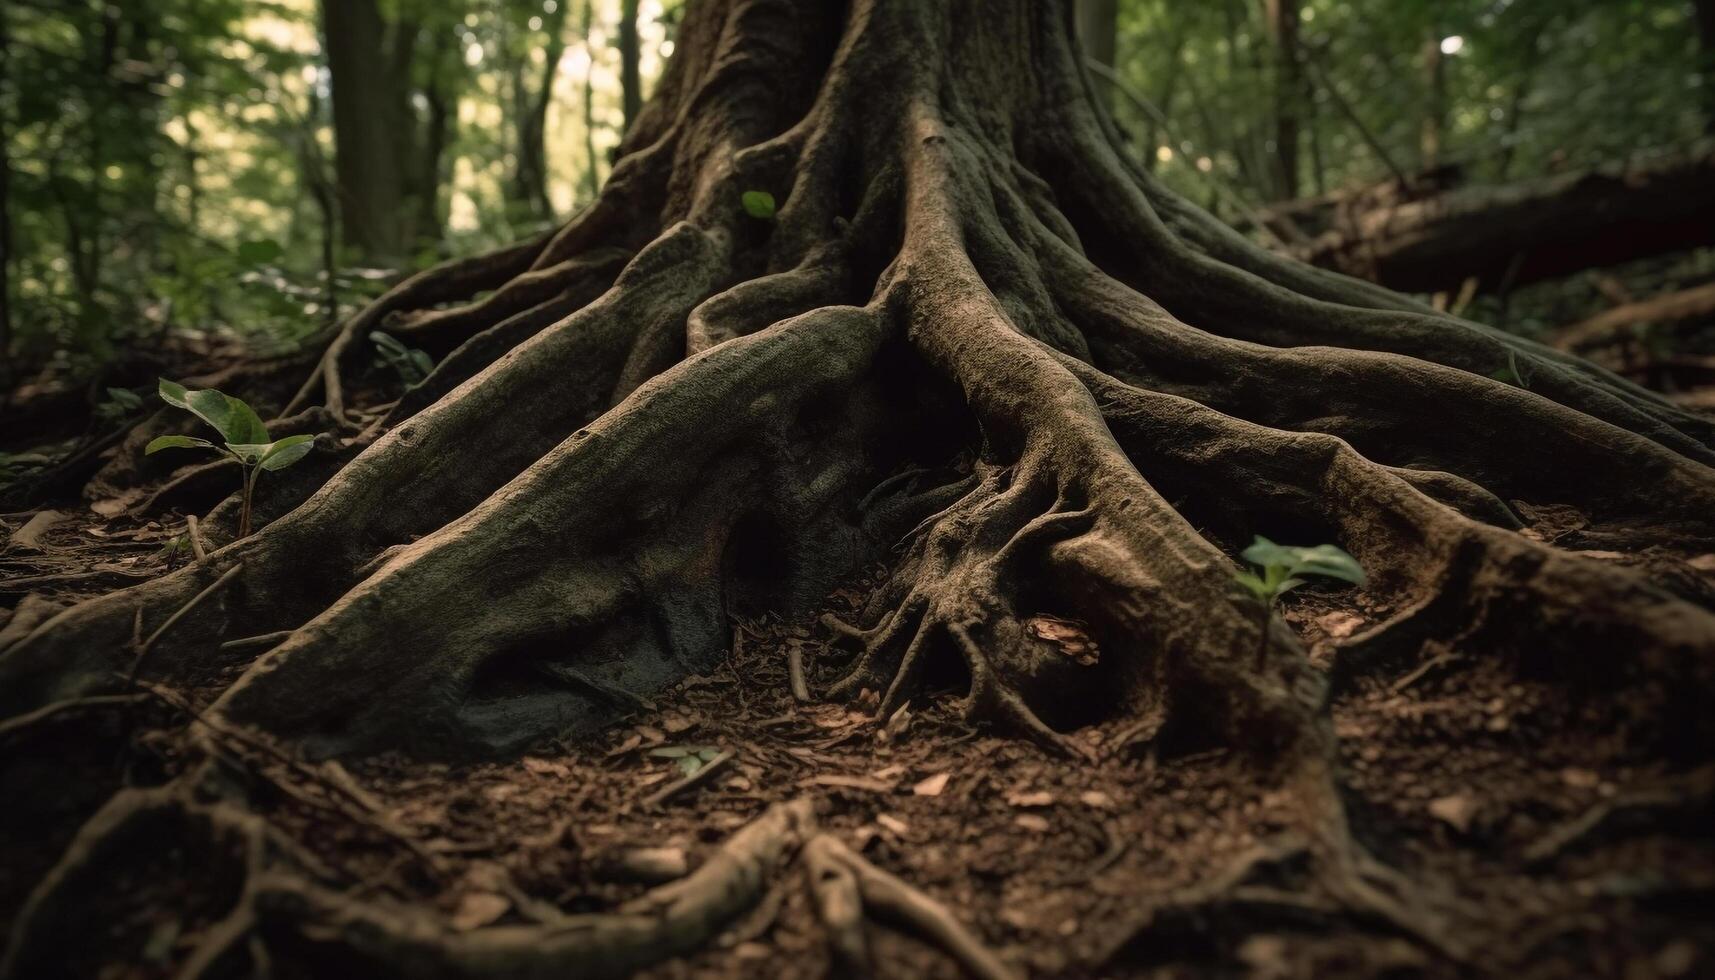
(1053, 409)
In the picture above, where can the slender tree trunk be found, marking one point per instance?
(592, 173)
(1289, 93)
(1704, 12)
(372, 184)
(630, 51)
(1434, 124)
(6, 362)
(532, 171)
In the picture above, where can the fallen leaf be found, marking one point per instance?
(478, 909)
(752, 950)
(547, 767)
(892, 824)
(676, 724)
(1703, 563)
(933, 785)
(1340, 625)
(1455, 810)
(1033, 822)
(1038, 798)
(1096, 798)
(1071, 637)
(30, 535)
(848, 782)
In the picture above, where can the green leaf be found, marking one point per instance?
(174, 394)
(287, 451)
(1257, 586)
(388, 343)
(1264, 552)
(233, 419)
(125, 398)
(758, 204)
(259, 251)
(1330, 562)
(690, 764)
(176, 442)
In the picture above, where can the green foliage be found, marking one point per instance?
(412, 365)
(759, 204)
(1282, 568)
(1279, 568)
(245, 437)
(120, 404)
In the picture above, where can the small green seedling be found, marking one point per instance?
(411, 364)
(758, 204)
(242, 430)
(1282, 568)
(121, 404)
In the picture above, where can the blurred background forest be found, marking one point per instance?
(193, 179)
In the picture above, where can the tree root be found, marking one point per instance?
(1059, 407)
(843, 880)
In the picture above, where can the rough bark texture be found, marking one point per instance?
(974, 343)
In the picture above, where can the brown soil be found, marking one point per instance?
(1563, 851)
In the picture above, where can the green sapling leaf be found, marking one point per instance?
(758, 204)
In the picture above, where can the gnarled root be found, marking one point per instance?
(669, 412)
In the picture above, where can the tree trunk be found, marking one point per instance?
(1098, 31)
(5, 222)
(1434, 125)
(1704, 11)
(1539, 228)
(973, 343)
(366, 125)
(630, 51)
(592, 172)
(1290, 94)
(532, 171)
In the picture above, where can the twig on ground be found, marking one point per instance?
(263, 640)
(701, 776)
(795, 672)
(194, 532)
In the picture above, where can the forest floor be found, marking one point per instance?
(1554, 850)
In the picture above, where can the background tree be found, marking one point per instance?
(971, 340)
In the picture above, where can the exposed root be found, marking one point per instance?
(668, 920)
(1057, 406)
(892, 898)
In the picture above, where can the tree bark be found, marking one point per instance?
(973, 343)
